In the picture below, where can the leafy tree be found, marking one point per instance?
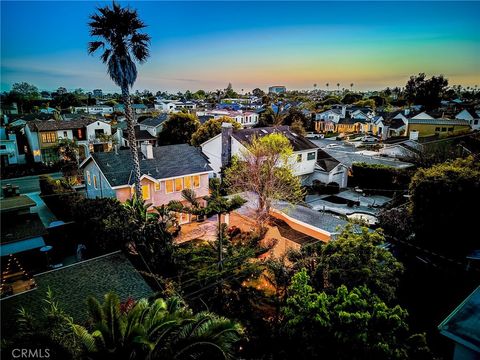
(258, 92)
(440, 196)
(211, 128)
(164, 329)
(122, 44)
(348, 324)
(351, 98)
(297, 127)
(264, 169)
(355, 259)
(427, 92)
(229, 92)
(68, 153)
(178, 129)
(366, 103)
(23, 93)
(296, 115)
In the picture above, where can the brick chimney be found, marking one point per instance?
(227, 131)
(147, 150)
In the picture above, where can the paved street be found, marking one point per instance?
(28, 184)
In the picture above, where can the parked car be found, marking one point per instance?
(315, 136)
(369, 139)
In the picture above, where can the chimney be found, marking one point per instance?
(344, 111)
(147, 150)
(227, 131)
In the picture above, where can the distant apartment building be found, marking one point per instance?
(43, 136)
(277, 89)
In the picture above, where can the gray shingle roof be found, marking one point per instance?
(154, 121)
(439, 121)
(72, 285)
(168, 161)
(326, 161)
(298, 143)
(59, 125)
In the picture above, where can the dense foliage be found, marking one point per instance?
(178, 129)
(210, 129)
(380, 179)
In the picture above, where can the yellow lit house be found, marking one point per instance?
(441, 127)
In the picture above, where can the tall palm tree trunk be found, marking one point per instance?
(132, 141)
(220, 242)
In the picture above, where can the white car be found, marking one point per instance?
(369, 139)
(315, 136)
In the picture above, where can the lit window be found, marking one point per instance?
(48, 137)
(311, 156)
(196, 181)
(299, 158)
(95, 181)
(188, 182)
(146, 192)
(88, 178)
(169, 186)
(178, 184)
(157, 186)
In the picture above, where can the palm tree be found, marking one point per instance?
(164, 329)
(351, 86)
(116, 31)
(338, 86)
(327, 84)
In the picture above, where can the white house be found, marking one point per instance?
(174, 105)
(222, 147)
(328, 170)
(153, 125)
(95, 109)
(472, 116)
(332, 115)
(244, 118)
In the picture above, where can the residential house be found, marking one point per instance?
(43, 136)
(441, 127)
(174, 105)
(462, 326)
(165, 172)
(401, 147)
(141, 135)
(94, 109)
(472, 116)
(222, 147)
(329, 170)
(153, 124)
(137, 108)
(244, 118)
(9, 152)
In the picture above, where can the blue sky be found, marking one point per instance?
(250, 44)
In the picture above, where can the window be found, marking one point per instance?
(444, 129)
(450, 129)
(311, 156)
(187, 180)
(157, 186)
(299, 158)
(3, 147)
(475, 122)
(196, 181)
(48, 137)
(437, 129)
(168, 186)
(65, 135)
(98, 133)
(146, 192)
(95, 181)
(88, 178)
(178, 184)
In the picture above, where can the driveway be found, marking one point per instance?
(28, 184)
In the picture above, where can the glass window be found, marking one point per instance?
(444, 129)
(299, 158)
(157, 186)
(146, 192)
(178, 184)
(311, 156)
(169, 186)
(88, 178)
(95, 181)
(450, 129)
(48, 137)
(65, 134)
(188, 182)
(475, 122)
(196, 181)
(437, 129)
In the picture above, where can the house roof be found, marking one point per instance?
(154, 121)
(141, 135)
(349, 158)
(326, 161)
(71, 285)
(299, 143)
(168, 162)
(30, 117)
(439, 121)
(463, 324)
(59, 124)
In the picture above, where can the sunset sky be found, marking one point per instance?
(206, 45)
